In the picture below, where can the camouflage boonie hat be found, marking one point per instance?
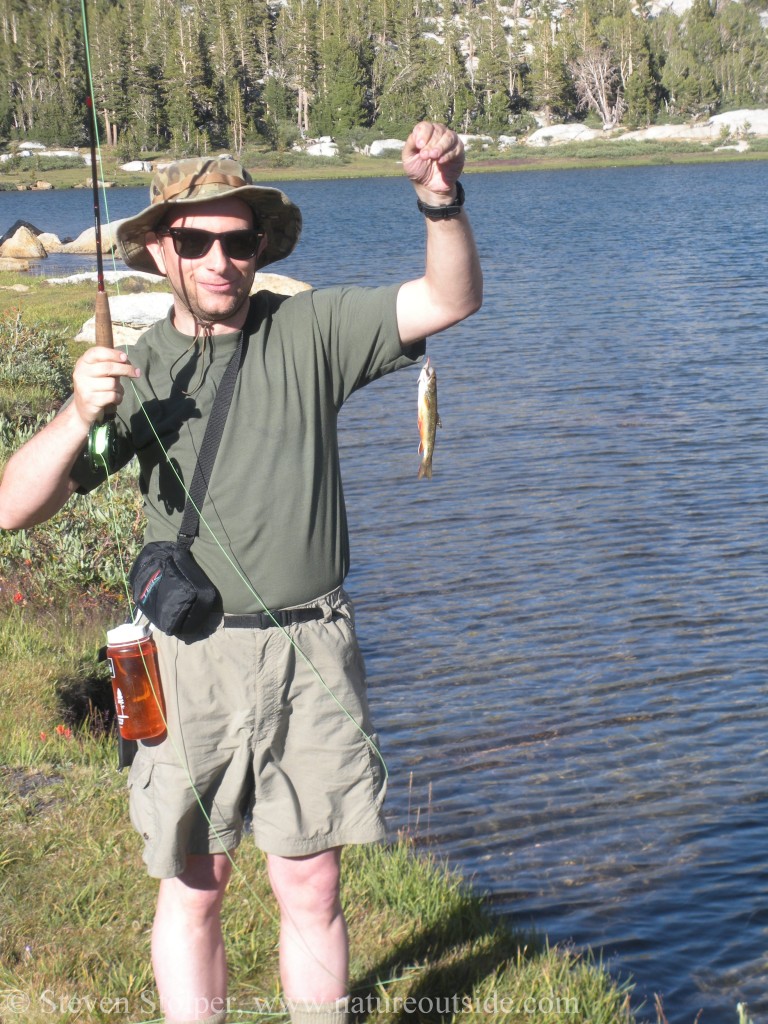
(202, 179)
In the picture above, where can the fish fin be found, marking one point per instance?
(420, 449)
(439, 422)
(425, 471)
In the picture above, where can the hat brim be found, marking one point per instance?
(275, 212)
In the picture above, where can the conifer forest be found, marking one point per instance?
(194, 75)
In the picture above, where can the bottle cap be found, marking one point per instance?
(127, 633)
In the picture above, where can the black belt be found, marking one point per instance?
(264, 620)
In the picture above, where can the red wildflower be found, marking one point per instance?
(43, 736)
(18, 597)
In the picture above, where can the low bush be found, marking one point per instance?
(86, 549)
(35, 365)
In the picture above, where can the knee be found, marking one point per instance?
(307, 884)
(196, 893)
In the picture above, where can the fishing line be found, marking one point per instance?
(98, 451)
(254, 593)
(183, 762)
(116, 532)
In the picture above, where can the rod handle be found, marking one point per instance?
(104, 335)
(103, 321)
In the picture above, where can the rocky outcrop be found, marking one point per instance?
(85, 244)
(14, 265)
(15, 227)
(321, 147)
(381, 146)
(24, 244)
(133, 314)
(557, 134)
(136, 166)
(476, 141)
(278, 283)
(740, 124)
(50, 242)
(24, 241)
(670, 132)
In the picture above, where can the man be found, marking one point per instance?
(262, 720)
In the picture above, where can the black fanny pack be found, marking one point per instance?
(171, 589)
(167, 584)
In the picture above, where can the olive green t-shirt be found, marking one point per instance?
(274, 513)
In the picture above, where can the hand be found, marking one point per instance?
(97, 381)
(433, 159)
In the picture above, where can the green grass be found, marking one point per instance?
(60, 309)
(77, 906)
(77, 910)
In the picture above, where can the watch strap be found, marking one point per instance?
(444, 212)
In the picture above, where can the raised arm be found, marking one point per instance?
(452, 286)
(36, 482)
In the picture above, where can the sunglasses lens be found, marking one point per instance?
(193, 243)
(241, 245)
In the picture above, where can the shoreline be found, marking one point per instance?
(299, 167)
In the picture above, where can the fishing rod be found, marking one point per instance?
(102, 437)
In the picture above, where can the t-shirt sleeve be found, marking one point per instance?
(360, 333)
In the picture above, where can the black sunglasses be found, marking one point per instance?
(194, 243)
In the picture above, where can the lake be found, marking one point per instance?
(566, 629)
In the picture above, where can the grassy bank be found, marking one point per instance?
(77, 906)
(289, 166)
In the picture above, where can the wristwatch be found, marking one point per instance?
(444, 212)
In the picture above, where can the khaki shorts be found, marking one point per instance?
(260, 735)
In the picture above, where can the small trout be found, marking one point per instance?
(428, 418)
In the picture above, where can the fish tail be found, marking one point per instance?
(425, 470)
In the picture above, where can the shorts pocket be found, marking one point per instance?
(142, 808)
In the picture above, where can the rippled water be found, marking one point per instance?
(565, 629)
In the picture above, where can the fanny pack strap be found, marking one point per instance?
(190, 523)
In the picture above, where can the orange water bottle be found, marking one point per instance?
(132, 658)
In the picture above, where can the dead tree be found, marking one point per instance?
(597, 82)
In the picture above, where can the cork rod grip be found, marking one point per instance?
(104, 335)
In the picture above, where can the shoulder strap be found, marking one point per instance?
(190, 523)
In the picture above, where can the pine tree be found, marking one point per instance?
(340, 103)
(295, 51)
(449, 98)
(625, 36)
(494, 69)
(402, 74)
(741, 70)
(548, 80)
(195, 117)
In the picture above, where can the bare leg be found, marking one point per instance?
(314, 950)
(187, 944)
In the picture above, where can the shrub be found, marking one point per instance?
(34, 362)
(85, 550)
